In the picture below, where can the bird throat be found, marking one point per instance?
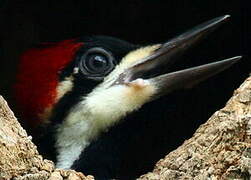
(95, 114)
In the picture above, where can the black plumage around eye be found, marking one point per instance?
(96, 63)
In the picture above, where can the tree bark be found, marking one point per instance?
(219, 149)
(19, 158)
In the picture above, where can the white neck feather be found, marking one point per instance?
(97, 112)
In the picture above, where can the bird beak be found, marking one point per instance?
(166, 55)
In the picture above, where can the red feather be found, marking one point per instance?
(37, 79)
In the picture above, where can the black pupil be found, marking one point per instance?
(97, 63)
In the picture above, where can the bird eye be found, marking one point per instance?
(96, 63)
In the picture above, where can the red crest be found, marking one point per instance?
(38, 78)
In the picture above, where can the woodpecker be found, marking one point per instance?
(76, 94)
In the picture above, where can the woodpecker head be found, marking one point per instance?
(104, 77)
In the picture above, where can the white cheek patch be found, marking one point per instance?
(114, 103)
(97, 112)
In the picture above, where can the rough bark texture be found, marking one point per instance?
(19, 158)
(220, 148)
